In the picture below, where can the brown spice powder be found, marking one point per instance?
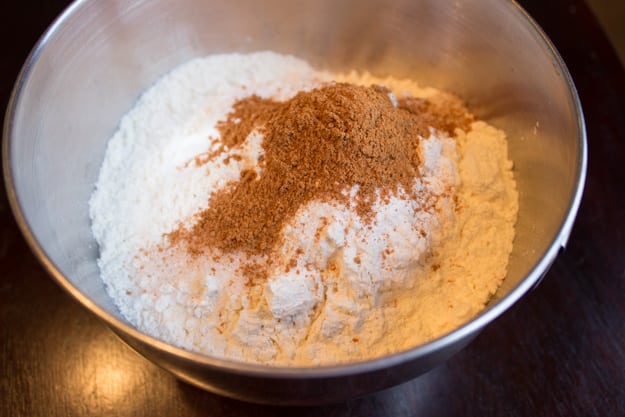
(318, 145)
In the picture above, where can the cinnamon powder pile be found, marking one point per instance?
(318, 145)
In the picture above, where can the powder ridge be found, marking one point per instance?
(350, 273)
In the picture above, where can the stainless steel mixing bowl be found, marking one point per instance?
(95, 60)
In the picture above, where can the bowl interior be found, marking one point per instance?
(96, 60)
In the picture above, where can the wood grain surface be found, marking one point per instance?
(560, 351)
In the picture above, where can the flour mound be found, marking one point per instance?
(339, 288)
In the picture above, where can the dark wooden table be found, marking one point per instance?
(559, 351)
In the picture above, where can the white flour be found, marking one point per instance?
(414, 275)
